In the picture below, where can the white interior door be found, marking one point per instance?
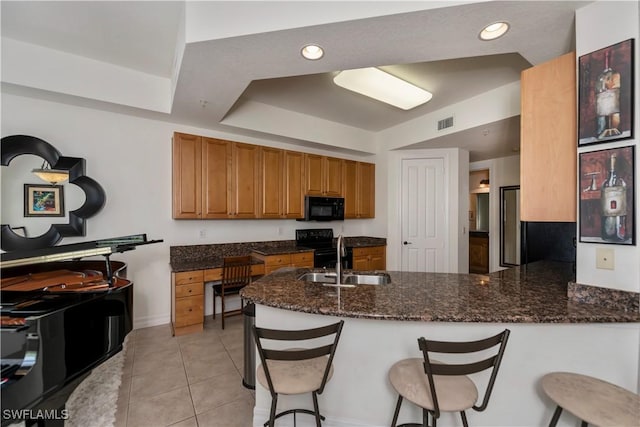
(424, 216)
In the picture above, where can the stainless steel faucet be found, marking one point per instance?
(340, 252)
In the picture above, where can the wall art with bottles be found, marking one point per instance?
(607, 206)
(605, 94)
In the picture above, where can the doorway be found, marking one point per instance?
(479, 221)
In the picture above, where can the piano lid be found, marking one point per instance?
(74, 251)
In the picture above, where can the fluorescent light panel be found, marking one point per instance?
(382, 86)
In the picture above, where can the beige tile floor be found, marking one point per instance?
(189, 381)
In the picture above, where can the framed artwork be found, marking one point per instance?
(43, 200)
(605, 94)
(607, 205)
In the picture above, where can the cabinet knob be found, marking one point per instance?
(406, 243)
(190, 290)
(190, 309)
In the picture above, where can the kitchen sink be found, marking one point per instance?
(318, 277)
(347, 278)
(367, 279)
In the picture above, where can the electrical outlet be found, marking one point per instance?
(203, 234)
(605, 258)
(279, 231)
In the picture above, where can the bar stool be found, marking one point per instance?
(296, 370)
(592, 400)
(438, 387)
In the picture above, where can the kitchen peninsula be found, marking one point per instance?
(552, 330)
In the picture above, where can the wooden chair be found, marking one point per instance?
(442, 387)
(236, 274)
(296, 370)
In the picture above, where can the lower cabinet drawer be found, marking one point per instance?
(185, 277)
(189, 290)
(302, 259)
(278, 260)
(189, 311)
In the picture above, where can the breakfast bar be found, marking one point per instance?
(556, 325)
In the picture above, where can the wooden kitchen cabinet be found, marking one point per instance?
(370, 258)
(214, 178)
(245, 180)
(281, 177)
(274, 262)
(358, 188)
(548, 141)
(187, 302)
(187, 176)
(323, 175)
(271, 174)
(293, 184)
(219, 179)
(479, 254)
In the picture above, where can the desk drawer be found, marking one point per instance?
(189, 311)
(186, 277)
(278, 260)
(189, 289)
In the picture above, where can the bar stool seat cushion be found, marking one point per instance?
(295, 376)
(455, 393)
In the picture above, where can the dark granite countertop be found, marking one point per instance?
(203, 257)
(535, 293)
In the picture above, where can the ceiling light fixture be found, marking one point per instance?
(382, 86)
(493, 31)
(312, 52)
(52, 176)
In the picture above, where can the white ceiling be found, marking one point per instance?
(235, 53)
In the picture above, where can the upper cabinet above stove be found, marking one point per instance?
(218, 179)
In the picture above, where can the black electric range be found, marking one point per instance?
(321, 241)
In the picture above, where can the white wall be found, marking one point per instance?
(131, 158)
(599, 25)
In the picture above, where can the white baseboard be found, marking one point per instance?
(147, 321)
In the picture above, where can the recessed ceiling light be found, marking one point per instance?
(493, 31)
(382, 86)
(312, 52)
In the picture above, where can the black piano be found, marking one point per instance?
(61, 316)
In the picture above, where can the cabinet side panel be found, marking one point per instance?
(548, 141)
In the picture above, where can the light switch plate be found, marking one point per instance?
(605, 258)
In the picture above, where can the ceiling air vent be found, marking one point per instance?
(445, 123)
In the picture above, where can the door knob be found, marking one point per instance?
(406, 243)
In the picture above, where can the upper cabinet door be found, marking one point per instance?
(548, 152)
(216, 170)
(187, 176)
(271, 174)
(350, 188)
(245, 184)
(333, 176)
(323, 175)
(293, 184)
(366, 190)
(314, 174)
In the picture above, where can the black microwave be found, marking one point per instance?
(323, 208)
